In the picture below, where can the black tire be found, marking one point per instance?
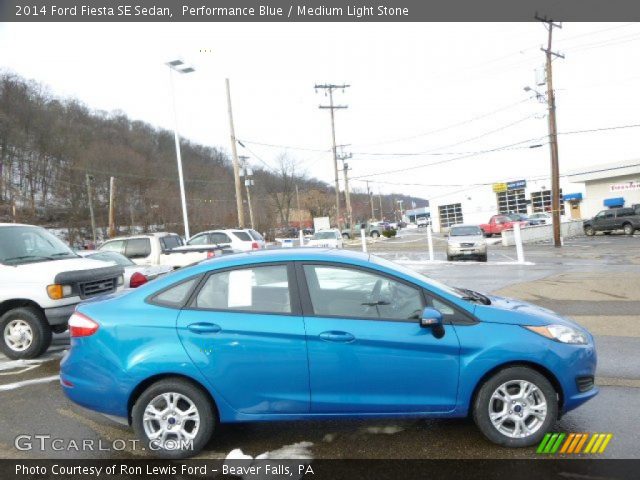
(589, 231)
(345, 236)
(481, 405)
(36, 324)
(628, 229)
(375, 234)
(205, 409)
(487, 235)
(483, 258)
(607, 233)
(449, 258)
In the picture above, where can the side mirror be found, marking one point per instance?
(432, 318)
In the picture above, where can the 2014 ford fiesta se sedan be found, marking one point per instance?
(301, 334)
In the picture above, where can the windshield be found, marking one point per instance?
(115, 257)
(325, 236)
(465, 231)
(516, 216)
(24, 244)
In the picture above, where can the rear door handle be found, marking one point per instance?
(204, 328)
(339, 337)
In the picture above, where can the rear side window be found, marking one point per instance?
(219, 237)
(114, 246)
(171, 241)
(176, 295)
(257, 289)
(138, 248)
(625, 212)
(244, 236)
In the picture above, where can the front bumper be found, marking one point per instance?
(456, 251)
(59, 315)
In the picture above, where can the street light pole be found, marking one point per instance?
(179, 66)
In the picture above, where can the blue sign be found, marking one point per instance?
(517, 184)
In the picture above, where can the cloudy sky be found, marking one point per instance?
(421, 95)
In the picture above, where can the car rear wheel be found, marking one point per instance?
(345, 236)
(515, 407)
(483, 258)
(589, 231)
(173, 418)
(25, 333)
(628, 229)
(375, 234)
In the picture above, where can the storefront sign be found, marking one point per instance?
(499, 187)
(517, 184)
(622, 187)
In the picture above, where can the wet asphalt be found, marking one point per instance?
(582, 280)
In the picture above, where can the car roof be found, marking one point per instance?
(143, 235)
(464, 225)
(292, 254)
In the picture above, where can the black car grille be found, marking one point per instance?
(584, 383)
(466, 244)
(97, 287)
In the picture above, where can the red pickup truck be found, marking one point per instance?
(498, 223)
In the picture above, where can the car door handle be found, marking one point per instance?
(204, 328)
(340, 337)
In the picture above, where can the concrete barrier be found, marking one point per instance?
(540, 233)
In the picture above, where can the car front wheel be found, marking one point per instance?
(25, 333)
(515, 407)
(589, 231)
(173, 418)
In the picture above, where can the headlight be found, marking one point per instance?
(560, 333)
(56, 291)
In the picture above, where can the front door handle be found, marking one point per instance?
(339, 337)
(204, 328)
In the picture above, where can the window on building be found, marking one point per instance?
(450, 214)
(541, 201)
(512, 201)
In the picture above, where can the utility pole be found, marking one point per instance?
(330, 88)
(553, 130)
(93, 218)
(347, 192)
(298, 207)
(247, 173)
(112, 213)
(380, 201)
(234, 152)
(401, 211)
(369, 194)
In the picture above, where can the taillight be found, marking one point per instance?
(137, 279)
(81, 326)
(211, 254)
(255, 246)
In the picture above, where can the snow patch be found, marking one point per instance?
(388, 430)
(289, 458)
(329, 437)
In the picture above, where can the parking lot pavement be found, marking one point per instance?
(594, 280)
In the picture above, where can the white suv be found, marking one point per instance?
(233, 238)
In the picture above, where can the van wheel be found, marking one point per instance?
(515, 407)
(25, 333)
(628, 229)
(173, 418)
(589, 231)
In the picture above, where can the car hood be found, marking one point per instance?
(517, 312)
(466, 239)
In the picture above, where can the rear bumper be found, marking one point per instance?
(59, 315)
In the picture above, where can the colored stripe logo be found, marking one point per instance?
(574, 443)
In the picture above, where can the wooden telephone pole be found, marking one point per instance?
(93, 218)
(234, 155)
(112, 207)
(553, 130)
(330, 88)
(345, 170)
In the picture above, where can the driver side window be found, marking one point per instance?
(355, 293)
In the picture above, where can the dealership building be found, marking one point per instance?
(583, 194)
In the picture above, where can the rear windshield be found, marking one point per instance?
(244, 236)
(255, 235)
(325, 236)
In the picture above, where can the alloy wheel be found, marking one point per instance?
(171, 421)
(517, 408)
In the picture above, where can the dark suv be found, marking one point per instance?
(626, 219)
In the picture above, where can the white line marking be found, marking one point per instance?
(24, 383)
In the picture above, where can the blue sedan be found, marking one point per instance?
(301, 334)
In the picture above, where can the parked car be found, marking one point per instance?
(422, 221)
(466, 241)
(327, 238)
(159, 249)
(372, 229)
(541, 218)
(331, 335)
(498, 223)
(607, 221)
(235, 239)
(41, 282)
(134, 275)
